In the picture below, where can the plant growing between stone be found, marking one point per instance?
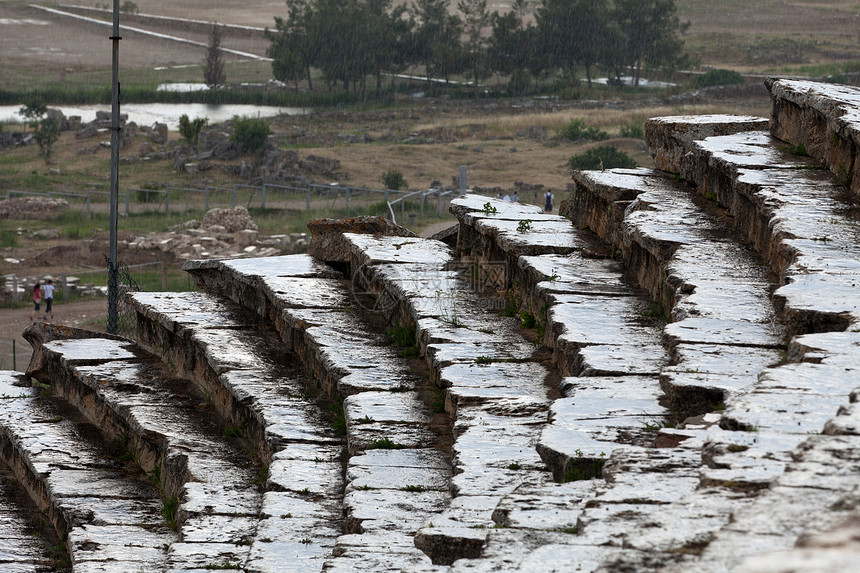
(583, 468)
(384, 444)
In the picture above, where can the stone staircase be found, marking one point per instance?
(663, 377)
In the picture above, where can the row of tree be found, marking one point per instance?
(350, 40)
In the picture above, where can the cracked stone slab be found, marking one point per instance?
(180, 311)
(398, 249)
(394, 510)
(305, 292)
(107, 512)
(574, 274)
(310, 477)
(824, 118)
(669, 138)
(718, 331)
(472, 203)
(612, 360)
(285, 266)
(549, 506)
(91, 350)
(531, 236)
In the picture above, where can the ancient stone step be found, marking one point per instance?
(671, 138)
(244, 370)
(207, 483)
(382, 412)
(823, 118)
(795, 216)
(613, 371)
(611, 411)
(723, 330)
(494, 392)
(110, 518)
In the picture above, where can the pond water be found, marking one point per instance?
(150, 113)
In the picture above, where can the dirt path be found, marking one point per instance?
(91, 314)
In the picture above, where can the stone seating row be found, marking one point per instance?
(396, 479)
(106, 512)
(612, 399)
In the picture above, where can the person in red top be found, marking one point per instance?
(37, 299)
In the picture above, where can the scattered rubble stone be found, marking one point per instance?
(32, 207)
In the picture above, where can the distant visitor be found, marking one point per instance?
(548, 202)
(48, 291)
(37, 300)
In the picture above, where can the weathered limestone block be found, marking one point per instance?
(670, 138)
(600, 198)
(101, 512)
(824, 119)
(327, 235)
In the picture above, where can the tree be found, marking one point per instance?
(512, 46)
(603, 157)
(33, 110)
(213, 68)
(437, 38)
(571, 32)
(292, 50)
(476, 17)
(651, 33)
(46, 132)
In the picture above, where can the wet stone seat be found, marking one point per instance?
(208, 480)
(309, 305)
(221, 345)
(110, 518)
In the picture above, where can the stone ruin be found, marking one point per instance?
(662, 378)
(32, 207)
(222, 233)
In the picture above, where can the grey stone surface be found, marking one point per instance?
(106, 513)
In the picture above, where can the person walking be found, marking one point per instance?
(48, 293)
(37, 300)
(548, 202)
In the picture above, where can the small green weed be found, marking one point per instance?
(527, 320)
(338, 422)
(489, 209)
(524, 226)
(384, 444)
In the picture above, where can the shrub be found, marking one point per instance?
(633, 130)
(718, 77)
(190, 130)
(604, 157)
(249, 134)
(576, 130)
(46, 133)
(393, 179)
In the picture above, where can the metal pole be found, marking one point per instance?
(14, 357)
(308, 199)
(347, 197)
(113, 282)
(263, 198)
(462, 180)
(127, 199)
(206, 200)
(233, 197)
